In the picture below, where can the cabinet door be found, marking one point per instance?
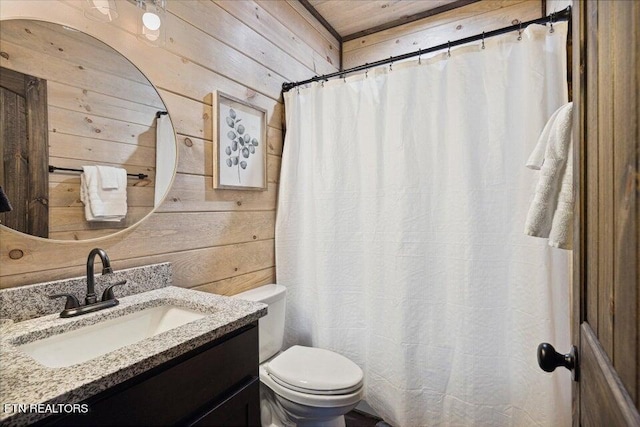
(240, 409)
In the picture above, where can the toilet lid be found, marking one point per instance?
(315, 370)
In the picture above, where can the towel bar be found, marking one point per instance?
(55, 168)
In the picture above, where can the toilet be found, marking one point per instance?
(300, 386)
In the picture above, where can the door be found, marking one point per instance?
(24, 152)
(606, 291)
(606, 276)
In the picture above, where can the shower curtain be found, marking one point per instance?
(399, 232)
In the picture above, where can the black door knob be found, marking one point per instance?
(549, 359)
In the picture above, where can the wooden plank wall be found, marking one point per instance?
(218, 240)
(101, 110)
(462, 22)
(557, 5)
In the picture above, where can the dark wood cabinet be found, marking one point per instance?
(214, 385)
(237, 410)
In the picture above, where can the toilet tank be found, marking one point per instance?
(271, 326)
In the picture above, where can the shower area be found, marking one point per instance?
(400, 229)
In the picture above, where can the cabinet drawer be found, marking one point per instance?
(175, 390)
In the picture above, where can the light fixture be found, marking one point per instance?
(100, 10)
(151, 24)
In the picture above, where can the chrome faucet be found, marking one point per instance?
(72, 306)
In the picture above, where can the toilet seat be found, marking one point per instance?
(309, 399)
(318, 392)
(313, 377)
(315, 371)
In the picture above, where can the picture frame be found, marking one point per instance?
(240, 144)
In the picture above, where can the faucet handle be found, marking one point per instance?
(108, 293)
(72, 301)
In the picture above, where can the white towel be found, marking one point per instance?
(165, 157)
(551, 211)
(561, 235)
(536, 158)
(109, 177)
(103, 205)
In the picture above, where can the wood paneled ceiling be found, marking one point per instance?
(351, 19)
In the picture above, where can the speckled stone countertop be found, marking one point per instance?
(25, 381)
(31, 301)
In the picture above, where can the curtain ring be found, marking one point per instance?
(551, 30)
(419, 56)
(483, 40)
(449, 48)
(520, 32)
(390, 64)
(344, 78)
(366, 73)
(298, 90)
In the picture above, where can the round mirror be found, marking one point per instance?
(87, 146)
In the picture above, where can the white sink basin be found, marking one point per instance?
(86, 343)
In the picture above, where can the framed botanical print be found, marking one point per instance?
(240, 148)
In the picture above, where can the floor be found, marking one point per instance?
(360, 419)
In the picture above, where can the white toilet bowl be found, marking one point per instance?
(301, 386)
(308, 386)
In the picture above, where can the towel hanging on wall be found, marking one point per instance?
(165, 156)
(100, 203)
(551, 211)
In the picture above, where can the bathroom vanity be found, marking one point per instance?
(165, 356)
(214, 385)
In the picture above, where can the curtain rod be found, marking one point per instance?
(563, 15)
(56, 168)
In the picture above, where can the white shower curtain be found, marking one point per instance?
(399, 234)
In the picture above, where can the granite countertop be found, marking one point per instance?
(25, 381)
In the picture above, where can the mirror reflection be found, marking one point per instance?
(87, 147)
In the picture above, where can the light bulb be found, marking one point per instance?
(151, 21)
(151, 29)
